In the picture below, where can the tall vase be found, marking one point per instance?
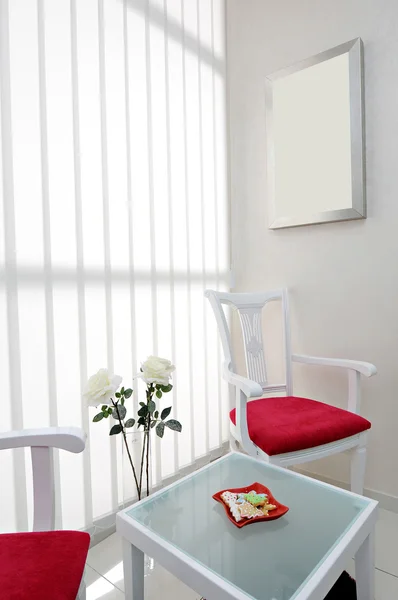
(138, 442)
(138, 451)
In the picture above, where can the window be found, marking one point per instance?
(113, 221)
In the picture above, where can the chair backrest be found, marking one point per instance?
(41, 443)
(249, 307)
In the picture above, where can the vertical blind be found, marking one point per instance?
(113, 221)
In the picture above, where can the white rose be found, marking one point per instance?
(156, 370)
(101, 387)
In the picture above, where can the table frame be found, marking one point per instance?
(138, 540)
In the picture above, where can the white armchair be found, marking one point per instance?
(23, 545)
(287, 430)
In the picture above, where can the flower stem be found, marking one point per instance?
(147, 463)
(148, 441)
(142, 460)
(127, 449)
(145, 451)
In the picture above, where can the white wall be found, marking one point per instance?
(343, 277)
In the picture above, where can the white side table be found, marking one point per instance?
(299, 556)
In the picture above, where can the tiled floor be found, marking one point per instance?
(104, 573)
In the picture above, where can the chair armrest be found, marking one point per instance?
(364, 368)
(250, 388)
(72, 439)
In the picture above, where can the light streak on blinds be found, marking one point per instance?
(113, 220)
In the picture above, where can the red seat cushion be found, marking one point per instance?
(44, 565)
(288, 424)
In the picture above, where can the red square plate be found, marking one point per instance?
(279, 511)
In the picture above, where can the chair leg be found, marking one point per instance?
(81, 594)
(358, 465)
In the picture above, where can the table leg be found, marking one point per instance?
(133, 567)
(365, 569)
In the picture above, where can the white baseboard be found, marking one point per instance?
(106, 525)
(386, 501)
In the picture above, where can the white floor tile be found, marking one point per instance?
(103, 590)
(90, 575)
(386, 586)
(98, 588)
(161, 584)
(115, 575)
(386, 556)
(386, 542)
(106, 559)
(106, 555)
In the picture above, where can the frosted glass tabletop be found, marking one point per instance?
(268, 560)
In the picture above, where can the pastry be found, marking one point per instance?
(230, 500)
(266, 508)
(256, 499)
(249, 511)
(247, 506)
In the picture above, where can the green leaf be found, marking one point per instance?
(130, 423)
(160, 429)
(104, 407)
(142, 403)
(110, 411)
(106, 415)
(143, 411)
(98, 417)
(165, 413)
(166, 388)
(158, 394)
(119, 412)
(156, 414)
(115, 429)
(128, 392)
(141, 421)
(151, 407)
(118, 394)
(122, 401)
(174, 425)
(122, 391)
(153, 424)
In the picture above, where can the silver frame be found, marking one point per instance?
(354, 48)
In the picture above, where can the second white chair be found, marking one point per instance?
(287, 430)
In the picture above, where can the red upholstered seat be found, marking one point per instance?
(287, 424)
(44, 565)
